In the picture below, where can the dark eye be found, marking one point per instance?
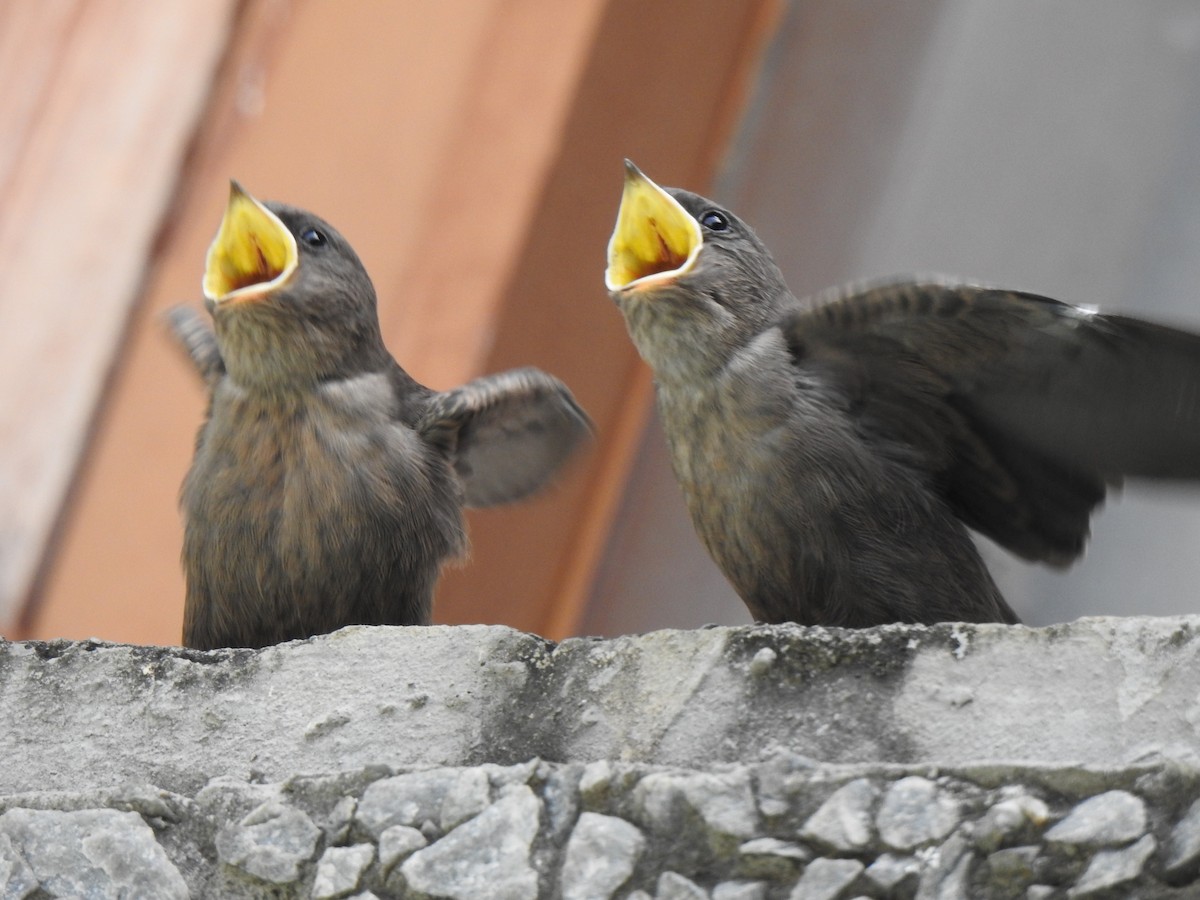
(714, 221)
(312, 237)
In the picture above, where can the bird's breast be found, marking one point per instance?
(313, 478)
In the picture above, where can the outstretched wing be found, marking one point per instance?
(197, 339)
(507, 434)
(1021, 408)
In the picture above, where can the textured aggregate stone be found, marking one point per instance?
(740, 890)
(1111, 818)
(411, 799)
(97, 854)
(825, 879)
(1011, 870)
(397, 844)
(270, 843)
(844, 821)
(947, 875)
(487, 856)
(921, 791)
(469, 795)
(1110, 868)
(1022, 815)
(914, 812)
(340, 869)
(1183, 848)
(17, 879)
(509, 849)
(600, 857)
(673, 886)
(724, 802)
(772, 858)
(892, 873)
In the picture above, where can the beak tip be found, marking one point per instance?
(632, 171)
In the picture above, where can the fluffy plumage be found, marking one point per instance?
(328, 485)
(833, 451)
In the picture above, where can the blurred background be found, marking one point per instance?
(471, 151)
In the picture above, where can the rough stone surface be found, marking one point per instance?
(723, 802)
(1114, 817)
(488, 856)
(890, 873)
(673, 886)
(825, 879)
(397, 844)
(689, 765)
(458, 696)
(1110, 868)
(1009, 819)
(600, 857)
(740, 890)
(340, 870)
(271, 843)
(268, 842)
(98, 854)
(844, 821)
(1183, 849)
(411, 799)
(915, 812)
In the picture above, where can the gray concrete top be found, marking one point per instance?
(1107, 692)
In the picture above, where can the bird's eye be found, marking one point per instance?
(714, 221)
(312, 237)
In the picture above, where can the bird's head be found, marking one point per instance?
(290, 300)
(693, 281)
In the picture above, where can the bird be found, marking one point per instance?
(328, 485)
(836, 452)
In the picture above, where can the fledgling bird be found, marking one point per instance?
(833, 451)
(328, 485)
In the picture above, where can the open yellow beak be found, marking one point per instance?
(252, 254)
(655, 240)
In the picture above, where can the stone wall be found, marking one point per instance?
(730, 763)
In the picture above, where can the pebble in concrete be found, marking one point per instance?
(16, 875)
(843, 822)
(270, 843)
(487, 856)
(723, 801)
(825, 879)
(340, 870)
(1111, 868)
(1023, 814)
(740, 890)
(411, 799)
(1183, 846)
(469, 795)
(398, 843)
(948, 873)
(673, 886)
(894, 874)
(94, 853)
(1011, 869)
(600, 857)
(1106, 820)
(914, 812)
(772, 858)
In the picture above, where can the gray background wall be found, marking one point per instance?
(1048, 147)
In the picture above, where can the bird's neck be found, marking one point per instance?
(282, 360)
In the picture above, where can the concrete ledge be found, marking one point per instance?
(1108, 692)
